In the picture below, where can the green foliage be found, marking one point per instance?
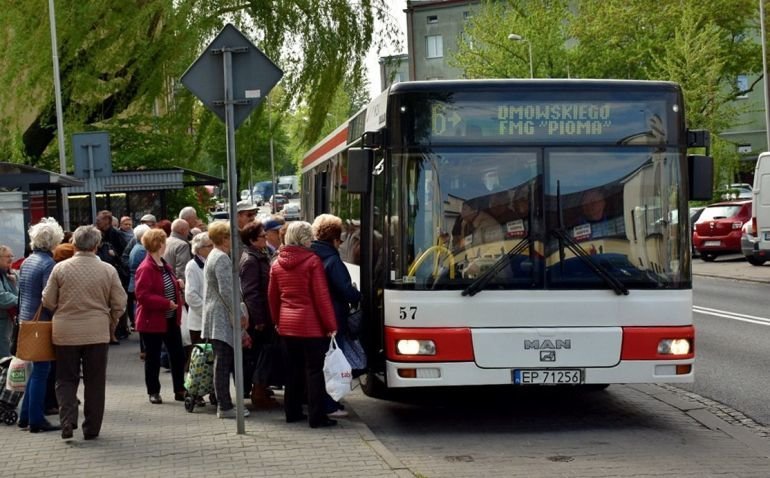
(120, 61)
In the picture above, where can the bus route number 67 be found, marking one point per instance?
(405, 312)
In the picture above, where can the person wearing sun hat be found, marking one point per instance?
(247, 211)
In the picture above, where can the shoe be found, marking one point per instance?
(141, 356)
(179, 396)
(23, 424)
(299, 418)
(155, 398)
(337, 414)
(51, 411)
(231, 413)
(324, 423)
(45, 427)
(114, 342)
(66, 432)
(89, 436)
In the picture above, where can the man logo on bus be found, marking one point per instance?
(547, 344)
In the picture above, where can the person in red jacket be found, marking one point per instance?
(159, 316)
(302, 310)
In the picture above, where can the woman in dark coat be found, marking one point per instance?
(159, 316)
(327, 231)
(255, 276)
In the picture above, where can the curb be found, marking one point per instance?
(368, 436)
(705, 417)
(739, 279)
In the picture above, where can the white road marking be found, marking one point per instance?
(752, 319)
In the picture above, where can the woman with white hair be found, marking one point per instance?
(33, 276)
(301, 309)
(87, 299)
(135, 257)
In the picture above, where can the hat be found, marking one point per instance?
(148, 218)
(272, 225)
(244, 206)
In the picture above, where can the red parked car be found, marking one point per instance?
(718, 229)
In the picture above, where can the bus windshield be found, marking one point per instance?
(467, 207)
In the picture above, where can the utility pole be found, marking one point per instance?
(59, 114)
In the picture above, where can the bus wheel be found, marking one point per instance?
(371, 385)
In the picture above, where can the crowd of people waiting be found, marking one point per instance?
(171, 281)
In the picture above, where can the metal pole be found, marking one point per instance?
(531, 74)
(764, 73)
(59, 116)
(235, 254)
(272, 162)
(91, 181)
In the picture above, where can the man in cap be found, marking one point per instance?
(272, 227)
(247, 211)
(177, 248)
(148, 219)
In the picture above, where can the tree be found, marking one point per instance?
(120, 60)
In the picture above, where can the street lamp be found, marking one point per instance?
(516, 37)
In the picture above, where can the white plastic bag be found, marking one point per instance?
(185, 329)
(337, 372)
(18, 375)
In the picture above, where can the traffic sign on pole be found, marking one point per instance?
(232, 77)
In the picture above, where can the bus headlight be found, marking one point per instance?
(416, 347)
(674, 347)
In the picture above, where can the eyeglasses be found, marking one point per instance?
(209, 246)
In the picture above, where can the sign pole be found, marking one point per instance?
(235, 250)
(91, 181)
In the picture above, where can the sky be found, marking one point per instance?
(372, 58)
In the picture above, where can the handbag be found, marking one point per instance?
(354, 322)
(35, 343)
(353, 351)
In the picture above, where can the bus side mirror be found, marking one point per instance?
(701, 173)
(360, 170)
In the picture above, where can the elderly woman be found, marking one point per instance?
(255, 275)
(9, 299)
(327, 231)
(135, 257)
(218, 315)
(302, 310)
(159, 316)
(193, 292)
(87, 299)
(44, 237)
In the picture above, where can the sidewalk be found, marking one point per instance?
(139, 439)
(731, 267)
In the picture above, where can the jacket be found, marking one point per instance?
(177, 253)
(87, 299)
(9, 293)
(193, 292)
(255, 276)
(135, 258)
(341, 289)
(151, 303)
(33, 277)
(217, 317)
(298, 295)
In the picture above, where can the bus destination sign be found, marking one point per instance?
(617, 122)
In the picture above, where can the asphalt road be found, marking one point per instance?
(733, 344)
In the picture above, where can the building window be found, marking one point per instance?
(432, 18)
(742, 84)
(744, 148)
(466, 15)
(435, 46)
(397, 77)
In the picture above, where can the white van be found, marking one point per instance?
(760, 212)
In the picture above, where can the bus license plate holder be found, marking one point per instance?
(548, 376)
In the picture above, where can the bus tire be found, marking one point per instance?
(372, 386)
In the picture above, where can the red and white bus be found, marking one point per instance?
(517, 231)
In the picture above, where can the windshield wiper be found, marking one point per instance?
(598, 269)
(481, 281)
(577, 249)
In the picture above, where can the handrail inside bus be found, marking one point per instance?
(437, 249)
